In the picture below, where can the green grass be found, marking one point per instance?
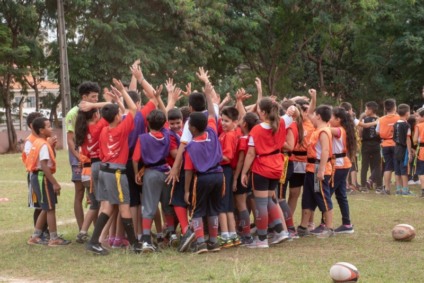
(371, 248)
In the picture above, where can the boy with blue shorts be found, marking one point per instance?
(402, 152)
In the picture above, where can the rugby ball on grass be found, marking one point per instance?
(344, 272)
(403, 232)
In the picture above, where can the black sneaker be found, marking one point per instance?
(136, 248)
(186, 239)
(303, 232)
(344, 229)
(96, 249)
(213, 247)
(199, 248)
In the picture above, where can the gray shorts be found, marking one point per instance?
(113, 187)
(154, 190)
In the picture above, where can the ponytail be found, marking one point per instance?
(299, 123)
(82, 125)
(271, 109)
(347, 123)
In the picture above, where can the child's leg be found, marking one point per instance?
(341, 196)
(168, 211)
(152, 185)
(244, 214)
(125, 213)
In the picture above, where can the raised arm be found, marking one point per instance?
(312, 105)
(132, 108)
(208, 94)
(148, 88)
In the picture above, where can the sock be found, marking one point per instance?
(245, 222)
(170, 223)
(100, 224)
(139, 237)
(53, 235)
(181, 213)
(225, 235)
(398, 188)
(129, 230)
(37, 233)
(213, 228)
(287, 213)
(261, 217)
(147, 226)
(198, 229)
(274, 215)
(405, 189)
(83, 232)
(233, 235)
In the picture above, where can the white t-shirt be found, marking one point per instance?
(186, 137)
(44, 155)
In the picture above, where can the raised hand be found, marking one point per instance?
(188, 90)
(175, 94)
(203, 75)
(118, 85)
(169, 84)
(137, 73)
(158, 91)
(258, 84)
(241, 95)
(313, 93)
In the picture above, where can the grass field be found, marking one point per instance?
(371, 248)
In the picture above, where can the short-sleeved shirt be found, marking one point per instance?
(269, 159)
(90, 146)
(44, 155)
(114, 142)
(385, 129)
(187, 136)
(71, 119)
(228, 141)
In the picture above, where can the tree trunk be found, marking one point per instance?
(53, 112)
(11, 132)
(21, 104)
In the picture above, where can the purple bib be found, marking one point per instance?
(139, 128)
(206, 155)
(154, 151)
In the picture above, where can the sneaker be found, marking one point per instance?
(37, 241)
(344, 229)
(293, 233)
(58, 242)
(110, 241)
(226, 243)
(82, 238)
(303, 232)
(398, 192)
(136, 248)
(311, 226)
(213, 247)
(96, 249)
(186, 239)
(279, 237)
(199, 248)
(326, 233)
(318, 230)
(411, 182)
(382, 191)
(119, 243)
(236, 241)
(246, 240)
(258, 244)
(173, 241)
(408, 193)
(364, 190)
(147, 248)
(45, 236)
(417, 182)
(369, 184)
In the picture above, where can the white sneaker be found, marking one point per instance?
(258, 244)
(417, 182)
(148, 248)
(326, 233)
(411, 182)
(279, 237)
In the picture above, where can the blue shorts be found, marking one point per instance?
(76, 173)
(43, 189)
(207, 194)
(400, 168)
(227, 201)
(312, 199)
(388, 156)
(419, 170)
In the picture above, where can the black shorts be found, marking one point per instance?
(135, 189)
(177, 193)
(241, 189)
(312, 199)
(261, 183)
(297, 180)
(43, 189)
(227, 201)
(207, 194)
(388, 156)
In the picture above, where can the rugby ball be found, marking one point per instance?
(403, 232)
(344, 272)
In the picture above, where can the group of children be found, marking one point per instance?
(209, 166)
